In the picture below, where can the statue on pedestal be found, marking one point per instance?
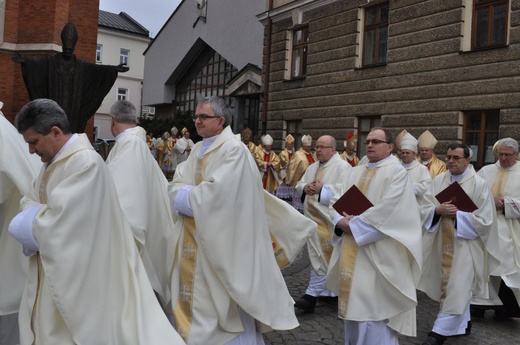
(78, 86)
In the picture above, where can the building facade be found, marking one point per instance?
(120, 40)
(208, 48)
(449, 66)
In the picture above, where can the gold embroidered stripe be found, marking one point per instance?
(499, 184)
(182, 312)
(349, 249)
(448, 251)
(324, 233)
(279, 253)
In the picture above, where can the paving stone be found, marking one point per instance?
(324, 326)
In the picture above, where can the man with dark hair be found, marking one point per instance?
(377, 254)
(143, 194)
(86, 283)
(227, 287)
(461, 247)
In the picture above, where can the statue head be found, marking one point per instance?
(69, 37)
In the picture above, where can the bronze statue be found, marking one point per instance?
(78, 86)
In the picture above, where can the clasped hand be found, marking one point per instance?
(313, 188)
(447, 209)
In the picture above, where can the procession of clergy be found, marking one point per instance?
(95, 252)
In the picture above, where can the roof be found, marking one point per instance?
(121, 22)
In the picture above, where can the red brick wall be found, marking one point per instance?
(38, 22)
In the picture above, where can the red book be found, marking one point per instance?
(353, 202)
(458, 197)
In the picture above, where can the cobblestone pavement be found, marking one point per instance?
(324, 327)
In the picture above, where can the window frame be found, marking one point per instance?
(99, 52)
(122, 94)
(490, 4)
(377, 26)
(483, 132)
(294, 128)
(124, 56)
(303, 48)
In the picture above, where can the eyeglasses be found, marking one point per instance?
(507, 155)
(319, 147)
(374, 141)
(203, 117)
(456, 158)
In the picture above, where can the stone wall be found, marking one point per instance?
(427, 82)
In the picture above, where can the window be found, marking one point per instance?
(490, 23)
(365, 124)
(375, 39)
(294, 128)
(207, 76)
(480, 133)
(99, 52)
(122, 94)
(300, 42)
(123, 56)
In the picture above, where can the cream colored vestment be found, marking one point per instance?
(87, 284)
(143, 195)
(386, 271)
(333, 173)
(234, 266)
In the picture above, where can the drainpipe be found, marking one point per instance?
(267, 67)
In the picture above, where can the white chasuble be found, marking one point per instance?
(332, 173)
(506, 183)
(235, 267)
(17, 170)
(386, 271)
(87, 284)
(143, 194)
(473, 259)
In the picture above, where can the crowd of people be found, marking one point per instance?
(172, 242)
(409, 238)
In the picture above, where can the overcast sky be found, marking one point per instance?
(152, 14)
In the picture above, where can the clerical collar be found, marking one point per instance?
(458, 178)
(378, 163)
(206, 143)
(426, 162)
(67, 144)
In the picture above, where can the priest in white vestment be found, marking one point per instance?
(376, 260)
(460, 248)
(417, 172)
(183, 146)
(503, 178)
(226, 285)
(321, 181)
(86, 282)
(17, 170)
(143, 193)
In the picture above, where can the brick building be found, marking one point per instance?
(450, 66)
(33, 29)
